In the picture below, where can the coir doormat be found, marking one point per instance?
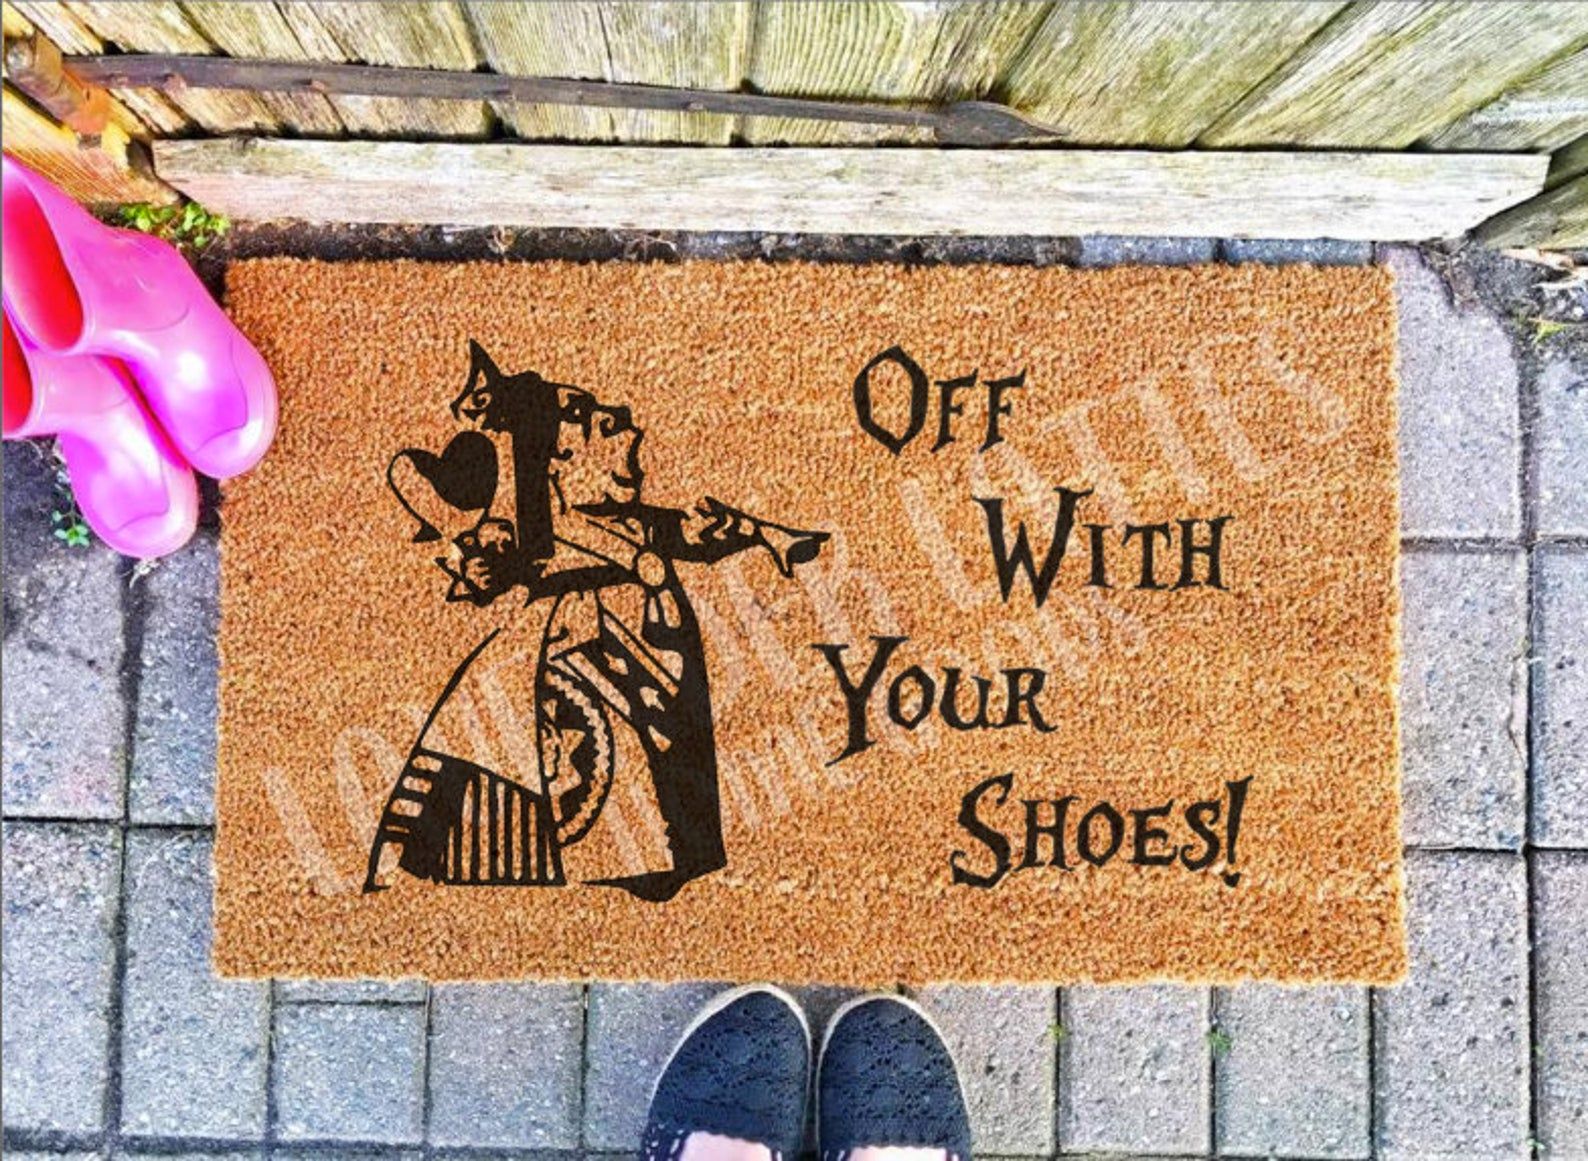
(805, 622)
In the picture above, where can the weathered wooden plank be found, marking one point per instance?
(546, 40)
(962, 123)
(1152, 73)
(934, 53)
(100, 171)
(701, 46)
(164, 27)
(1384, 75)
(71, 35)
(1568, 163)
(387, 33)
(846, 191)
(1544, 111)
(1557, 220)
(36, 69)
(685, 45)
(256, 28)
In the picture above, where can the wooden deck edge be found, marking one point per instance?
(1364, 196)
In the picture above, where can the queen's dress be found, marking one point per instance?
(575, 742)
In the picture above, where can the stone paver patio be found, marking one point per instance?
(119, 1041)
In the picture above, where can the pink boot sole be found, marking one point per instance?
(74, 286)
(135, 491)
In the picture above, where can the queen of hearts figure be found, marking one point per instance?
(575, 741)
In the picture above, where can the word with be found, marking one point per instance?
(913, 692)
(1055, 834)
(920, 390)
(1010, 560)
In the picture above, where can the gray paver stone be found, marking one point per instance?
(60, 904)
(1459, 426)
(64, 719)
(173, 754)
(1560, 703)
(1452, 1041)
(1560, 902)
(505, 1065)
(194, 1046)
(1112, 250)
(1133, 1069)
(1003, 1041)
(1561, 440)
(350, 1072)
(1295, 1079)
(1286, 251)
(631, 1031)
(1464, 677)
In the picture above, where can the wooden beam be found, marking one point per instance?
(164, 27)
(1557, 220)
(101, 170)
(855, 191)
(963, 123)
(140, 114)
(33, 65)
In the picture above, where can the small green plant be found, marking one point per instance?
(1058, 1031)
(1545, 329)
(188, 226)
(66, 518)
(1219, 1041)
(70, 528)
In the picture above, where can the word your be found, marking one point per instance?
(913, 693)
(920, 398)
(1056, 833)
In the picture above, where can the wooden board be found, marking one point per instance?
(434, 35)
(71, 35)
(1545, 111)
(857, 191)
(1568, 163)
(97, 172)
(129, 124)
(685, 45)
(1154, 73)
(164, 27)
(1386, 75)
(1557, 220)
(879, 51)
(254, 29)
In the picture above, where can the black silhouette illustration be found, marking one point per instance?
(537, 501)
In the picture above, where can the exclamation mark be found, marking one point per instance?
(1237, 804)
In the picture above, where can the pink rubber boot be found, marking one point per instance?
(133, 488)
(74, 286)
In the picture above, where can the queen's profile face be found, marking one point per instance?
(597, 459)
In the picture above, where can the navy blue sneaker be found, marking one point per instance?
(742, 1070)
(886, 1079)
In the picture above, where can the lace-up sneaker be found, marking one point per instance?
(886, 1081)
(741, 1072)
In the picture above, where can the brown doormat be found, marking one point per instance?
(805, 622)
